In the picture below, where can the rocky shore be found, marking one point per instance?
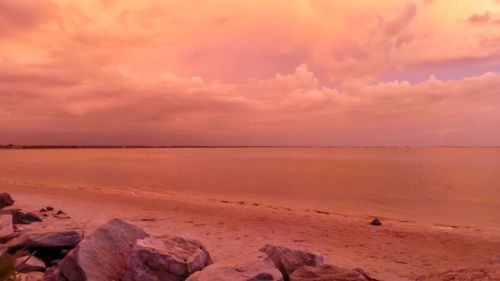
(118, 250)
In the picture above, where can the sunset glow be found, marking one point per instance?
(225, 72)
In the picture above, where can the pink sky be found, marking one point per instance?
(230, 72)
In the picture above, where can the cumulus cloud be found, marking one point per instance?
(247, 73)
(189, 111)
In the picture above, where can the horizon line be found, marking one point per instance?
(76, 146)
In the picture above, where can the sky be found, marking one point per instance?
(242, 72)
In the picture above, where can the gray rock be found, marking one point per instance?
(18, 217)
(31, 217)
(43, 240)
(288, 260)
(376, 222)
(29, 264)
(166, 260)
(5, 200)
(254, 267)
(53, 274)
(6, 227)
(103, 255)
(329, 273)
(31, 276)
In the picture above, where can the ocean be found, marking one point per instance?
(448, 186)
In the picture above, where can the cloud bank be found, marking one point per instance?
(222, 72)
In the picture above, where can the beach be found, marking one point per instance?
(235, 201)
(394, 251)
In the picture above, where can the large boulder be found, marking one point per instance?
(166, 260)
(103, 255)
(329, 273)
(288, 260)
(45, 240)
(5, 200)
(29, 264)
(254, 267)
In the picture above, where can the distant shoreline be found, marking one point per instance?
(15, 146)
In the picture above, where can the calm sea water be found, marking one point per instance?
(459, 186)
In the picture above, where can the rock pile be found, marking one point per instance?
(35, 251)
(120, 251)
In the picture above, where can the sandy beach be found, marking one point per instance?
(397, 250)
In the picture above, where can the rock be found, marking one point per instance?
(31, 276)
(64, 252)
(30, 217)
(254, 267)
(288, 260)
(166, 260)
(19, 217)
(6, 227)
(43, 210)
(329, 273)
(3, 248)
(45, 240)
(29, 263)
(60, 212)
(5, 200)
(51, 257)
(376, 222)
(103, 255)
(48, 208)
(53, 274)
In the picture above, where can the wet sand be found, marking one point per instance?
(397, 250)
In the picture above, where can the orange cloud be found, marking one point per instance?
(480, 18)
(248, 72)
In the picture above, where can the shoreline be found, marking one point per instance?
(262, 204)
(393, 251)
